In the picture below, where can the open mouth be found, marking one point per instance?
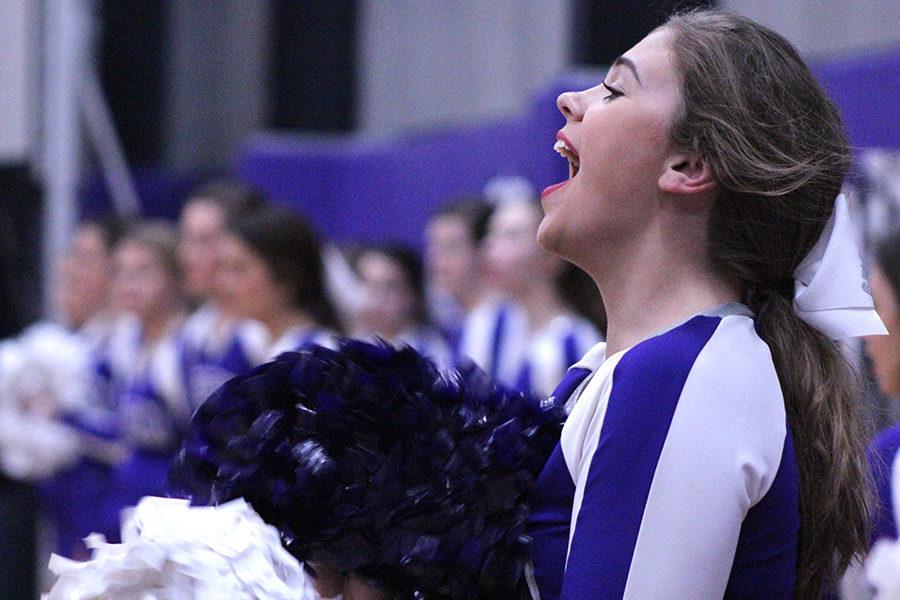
(569, 154)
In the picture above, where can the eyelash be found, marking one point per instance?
(613, 92)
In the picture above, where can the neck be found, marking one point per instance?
(655, 283)
(540, 302)
(279, 322)
(471, 297)
(156, 327)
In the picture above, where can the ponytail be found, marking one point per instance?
(821, 399)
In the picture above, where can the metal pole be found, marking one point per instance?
(102, 131)
(65, 46)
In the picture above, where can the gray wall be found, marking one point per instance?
(19, 53)
(827, 28)
(429, 62)
(217, 79)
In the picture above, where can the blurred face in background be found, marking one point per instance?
(142, 282)
(512, 254)
(390, 299)
(245, 285)
(453, 255)
(201, 230)
(885, 349)
(85, 276)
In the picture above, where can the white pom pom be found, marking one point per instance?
(171, 550)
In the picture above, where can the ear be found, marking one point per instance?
(687, 174)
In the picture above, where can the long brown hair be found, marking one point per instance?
(290, 248)
(776, 147)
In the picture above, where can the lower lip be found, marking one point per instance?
(549, 190)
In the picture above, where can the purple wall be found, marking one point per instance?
(356, 189)
(866, 87)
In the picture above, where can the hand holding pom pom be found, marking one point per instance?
(43, 373)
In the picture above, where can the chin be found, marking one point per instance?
(552, 239)
(546, 237)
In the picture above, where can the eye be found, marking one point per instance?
(613, 92)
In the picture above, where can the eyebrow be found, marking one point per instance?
(627, 62)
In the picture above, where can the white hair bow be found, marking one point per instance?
(830, 289)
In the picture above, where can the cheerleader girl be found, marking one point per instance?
(395, 308)
(75, 498)
(153, 408)
(713, 447)
(208, 332)
(538, 335)
(271, 273)
(83, 292)
(454, 237)
(885, 354)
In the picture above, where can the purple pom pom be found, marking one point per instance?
(367, 457)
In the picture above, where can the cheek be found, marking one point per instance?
(623, 150)
(158, 290)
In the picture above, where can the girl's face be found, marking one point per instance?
(85, 277)
(201, 229)
(885, 349)
(512, 256)
(620, 133)
(142, 284)
(244, 283)
(453, 257)
(390, 298)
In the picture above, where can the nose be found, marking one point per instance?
(571, 105)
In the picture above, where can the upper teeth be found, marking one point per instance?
(566, 152)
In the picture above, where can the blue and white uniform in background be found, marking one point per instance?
(212, 352)
(489, 330)
(499, 338)
(882, 453)
(675, 476)
(154, 411)
(77, 498)
(550, 351)
(260, 347)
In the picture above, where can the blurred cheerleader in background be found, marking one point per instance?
(271, 275)
(76, 498)
(454, 238)
(209, 332)
(529, 340)
(395, 308)
(151, 399)
(885, 354)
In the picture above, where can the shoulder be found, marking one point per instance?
(201, 322)
(725, 353)
(717, 379)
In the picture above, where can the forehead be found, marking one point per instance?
(377, 265)
(199, 212)
(234, 247)
(515, 214)
(88, 237)
(135, 252)
(652, 58)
